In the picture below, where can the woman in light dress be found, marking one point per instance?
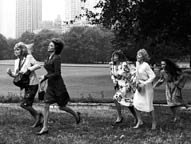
(143, 97)
(173, 77)
(123, 76)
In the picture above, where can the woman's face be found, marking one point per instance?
(163, 64)
(139, 57)
(116, 59)
(51, 47)
(17, 52)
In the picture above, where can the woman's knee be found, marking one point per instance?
(46, 106)
(24, 105)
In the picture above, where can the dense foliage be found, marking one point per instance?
(82, 44)
(161, 26)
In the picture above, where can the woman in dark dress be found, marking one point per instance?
(56, 91)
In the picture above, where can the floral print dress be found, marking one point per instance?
(123, 75)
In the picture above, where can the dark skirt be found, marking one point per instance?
(59, 96)
(29, 96)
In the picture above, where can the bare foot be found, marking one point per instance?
(38, 121)
(139, 123)
(43, 131)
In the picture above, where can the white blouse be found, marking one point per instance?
(28, 63)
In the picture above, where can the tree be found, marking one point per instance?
(87, 45)
(160, 26)
(3, 47)
(41, 41)
(10, 51)
(27, 37)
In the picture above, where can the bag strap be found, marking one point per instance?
(21, 65)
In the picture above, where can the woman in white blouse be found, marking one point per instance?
(143, 97)
(25, 63)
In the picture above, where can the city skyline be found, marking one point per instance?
(50, 10)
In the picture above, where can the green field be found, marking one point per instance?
(83, 82)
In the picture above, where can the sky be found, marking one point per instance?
(50, 10)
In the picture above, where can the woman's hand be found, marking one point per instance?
(41, 78)
(9, 72)
(141, 85)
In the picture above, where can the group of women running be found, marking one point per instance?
(133, 84)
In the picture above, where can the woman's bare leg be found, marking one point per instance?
(118, 108)
(139, 122)
(46, 114)
(69, 110)
(154, 123)
(132, 110)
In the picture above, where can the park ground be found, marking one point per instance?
(87, 83)
(95, 127)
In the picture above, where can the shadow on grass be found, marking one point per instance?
(95, 128)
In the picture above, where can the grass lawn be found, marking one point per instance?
(84, 82)
(95, 128)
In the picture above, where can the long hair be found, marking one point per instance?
(120, 54)
(144, 54)
(172, 68)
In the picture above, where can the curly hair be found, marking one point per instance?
(144, 54)
(59, 45)
(120, 54)
(172, 68)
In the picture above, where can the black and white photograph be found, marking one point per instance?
(95, 71)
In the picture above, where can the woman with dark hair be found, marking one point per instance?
(143, 97)
(123, 76)
(172, 75)
(56, 91)
(27, 65)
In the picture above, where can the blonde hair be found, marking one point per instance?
(23, 47)
(144, 54)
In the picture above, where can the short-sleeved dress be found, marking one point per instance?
(173, 92)
(124, 75)
(56, 91)
(143, 99)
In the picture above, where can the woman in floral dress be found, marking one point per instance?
(123, 76)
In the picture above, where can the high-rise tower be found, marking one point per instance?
(28, 16)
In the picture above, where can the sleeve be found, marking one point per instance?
(111, 73)
(29, 64)
(34, 65)
(57, 68)
(15, 67)
(181, 80)
(150, 73)
(160, 80)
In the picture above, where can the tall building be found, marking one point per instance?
(7, 18)
(72, 9)
(28, 16)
